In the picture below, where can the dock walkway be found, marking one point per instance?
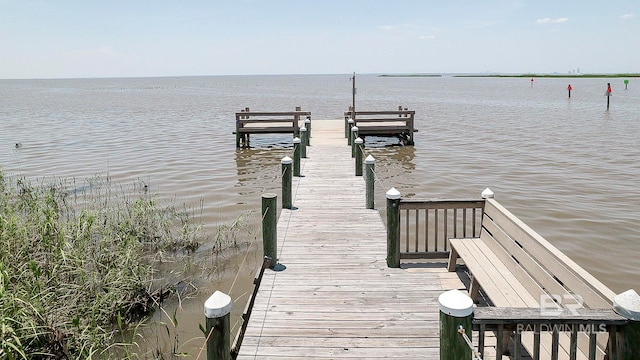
(336, 297)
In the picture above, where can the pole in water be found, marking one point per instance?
(608, 94)
(532, 83)
(626, 83)
(569, 88)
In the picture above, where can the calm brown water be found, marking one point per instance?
(567, 167)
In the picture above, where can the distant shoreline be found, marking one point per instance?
(557, 76)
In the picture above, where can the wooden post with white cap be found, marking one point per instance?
(270, 227)
(217, 310)
(303, 142)
(627, 345)
(456, 313)
(354, 136)
(296, 156)
(359, 155)
(370, 165)
(287, 179)
(393, 228)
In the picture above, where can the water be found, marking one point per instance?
(567, 167)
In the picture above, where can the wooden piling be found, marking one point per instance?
(351, 124)
(359, 154)
(307, 125)
(270, 227)
(370, 165)
(296, 156)
(456, 313)
(303, 142)
(393, 228)
(217, 310)
(287, 180)
(627, 304)
(354, 136)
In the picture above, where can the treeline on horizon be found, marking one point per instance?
(526, 75)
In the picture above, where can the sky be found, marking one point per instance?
(138, 38)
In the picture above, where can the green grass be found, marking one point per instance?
(79, 268)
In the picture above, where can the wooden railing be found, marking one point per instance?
(425, 226)
(253, 122)
(539, 330)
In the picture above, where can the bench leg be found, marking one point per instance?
(473, 289)
(453, 257)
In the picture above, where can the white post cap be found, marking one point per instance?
(355, 128)
(296, 140)
(286, 160)
(303, 129)
(359, 140)
(350, 121)
(487, 194)
(370, 160)
(217, 305)
(627, 304)
(308, 121)
(393, 194)
(455, 303)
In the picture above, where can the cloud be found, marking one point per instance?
(426, 37)
(387, 27)
(628, 16)
(551, 21)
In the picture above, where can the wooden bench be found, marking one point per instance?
(248, 122)
(517, 268)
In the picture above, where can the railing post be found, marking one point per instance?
(303, 142)
(270, 227)
(217, 311)
(354, 136)
(359, 154)
(393, 228)
(487, 194)
(627, 304)
(347, 128)
(307, 125)
(348, 135)
(287, 179)
(456, 313)
(370, 165)
(296, 156)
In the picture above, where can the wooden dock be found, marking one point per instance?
(335, 297)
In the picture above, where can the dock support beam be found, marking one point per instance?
(287, 180)
(359, 155)
(217, 311)
(270, 227)
(393, 228)
(370, 165)
(456, 313)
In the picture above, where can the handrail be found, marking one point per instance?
(588, 322)
(426, 225)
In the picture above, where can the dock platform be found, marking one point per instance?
(335, 297)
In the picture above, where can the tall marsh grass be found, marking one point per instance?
(78, 265)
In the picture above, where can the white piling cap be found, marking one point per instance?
(455, 303)
(627, 304)
(393, 194)
(487, 194)
(303, 129)
(370, 160)
(359, 141)
(296, 140)
(350, 121)
(308, 121)
(217, 305)
(355, 128)
(286, 160)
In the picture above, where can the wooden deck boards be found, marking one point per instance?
(336, 298)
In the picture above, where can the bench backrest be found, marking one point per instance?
(555, 276)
